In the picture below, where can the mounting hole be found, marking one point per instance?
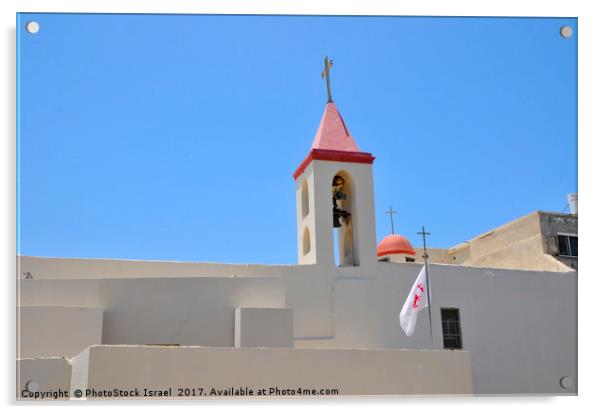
(32, 27)
(32, 386)
(566, 382)
(566, 31)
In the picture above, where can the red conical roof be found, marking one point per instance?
(333, 133)
(333, 142)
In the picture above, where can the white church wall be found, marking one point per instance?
(77, 282)
(309, 293)
(49, 331)
(354, 325)
(519, 326)
(185, 311)
(351, 372)
(263, 327)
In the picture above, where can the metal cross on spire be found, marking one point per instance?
(326, 74)
(424, 233)
(391, 212)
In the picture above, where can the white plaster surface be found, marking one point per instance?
(184, 311)
(48, 331)
(351, 372)
(319, 175)
(519, 326)
(263, 327)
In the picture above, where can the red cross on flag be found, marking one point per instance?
(416, 300)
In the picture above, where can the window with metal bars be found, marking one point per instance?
(452, 334)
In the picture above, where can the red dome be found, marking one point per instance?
(394, 244)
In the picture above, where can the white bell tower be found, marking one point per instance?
(335, 198)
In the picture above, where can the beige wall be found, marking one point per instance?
(436, 255)
(351, 372)
(553, 224)
(46, 331)
(519, 244)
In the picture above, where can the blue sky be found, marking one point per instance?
(175, 137)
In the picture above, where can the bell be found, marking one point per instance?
(338, 182)
(336, 218)
(337, 188)
(339, 195)
(337, 214)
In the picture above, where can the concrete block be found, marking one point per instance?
(263, 327)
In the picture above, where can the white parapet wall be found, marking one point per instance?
(57, 331)
(200, 372)
(182, 311)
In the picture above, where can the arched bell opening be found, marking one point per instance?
(343, 213)
(306, 241)
(304, 199)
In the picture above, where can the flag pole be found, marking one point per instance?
(428, 282)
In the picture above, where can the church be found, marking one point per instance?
(326, 326)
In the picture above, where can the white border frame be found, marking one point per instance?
(590, 92)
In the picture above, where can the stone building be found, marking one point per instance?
(540, 240)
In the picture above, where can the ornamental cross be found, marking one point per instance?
(416, 301)
(326, 74)
(418, 297)
(391, 212)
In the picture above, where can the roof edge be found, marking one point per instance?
(334, 155)
(396, 251)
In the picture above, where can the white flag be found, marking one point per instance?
(416, 300)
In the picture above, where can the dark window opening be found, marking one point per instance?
(567, 245)
(452, 334)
